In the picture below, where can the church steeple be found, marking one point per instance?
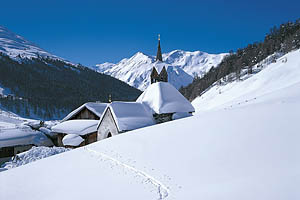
(163, 75)
(158, 55)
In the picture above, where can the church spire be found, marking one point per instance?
(158, 55)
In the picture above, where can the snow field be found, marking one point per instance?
(244, 146)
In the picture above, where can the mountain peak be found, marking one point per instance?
(16, 46)
(140, 55)
(181, 65)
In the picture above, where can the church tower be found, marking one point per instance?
(158, 55)
(163, 75)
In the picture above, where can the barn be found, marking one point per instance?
(70, 132)
(90, 110)
(120, 117)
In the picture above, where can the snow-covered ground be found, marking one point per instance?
(183, 66)
(236, 149)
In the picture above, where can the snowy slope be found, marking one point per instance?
(182, 67)
(248, 151)
(274, 76)
(14, 45)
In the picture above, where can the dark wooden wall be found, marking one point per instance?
(161, 118)
(85, 114)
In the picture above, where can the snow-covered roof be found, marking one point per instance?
(130, 115)
(22, 135)
(72, 140)
(162, 97)
(77, 126)
(96, 108)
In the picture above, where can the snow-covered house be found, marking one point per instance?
(90, 110)
(74, 133)
(166, 102)
(120, 117)
(14, 140)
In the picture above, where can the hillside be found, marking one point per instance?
(241, 143)
(279, 41)
(267, 78)
(183, 67)
(36, 84)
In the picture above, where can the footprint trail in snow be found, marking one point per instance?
(162, 190)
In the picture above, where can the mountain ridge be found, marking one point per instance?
(17, 47)
(185, 66)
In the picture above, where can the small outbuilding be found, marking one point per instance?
(84, 129)
(120, 117)
(90, 110)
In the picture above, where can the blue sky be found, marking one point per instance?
(91, 32)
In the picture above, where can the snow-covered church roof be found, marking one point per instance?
(130, 115)
(76, 126)
(96, 108)
(162, 97)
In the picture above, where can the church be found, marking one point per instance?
(160, 102)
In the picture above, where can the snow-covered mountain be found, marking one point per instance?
(15, 46)
(243, 145)
(182, 66)
(31, 77)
